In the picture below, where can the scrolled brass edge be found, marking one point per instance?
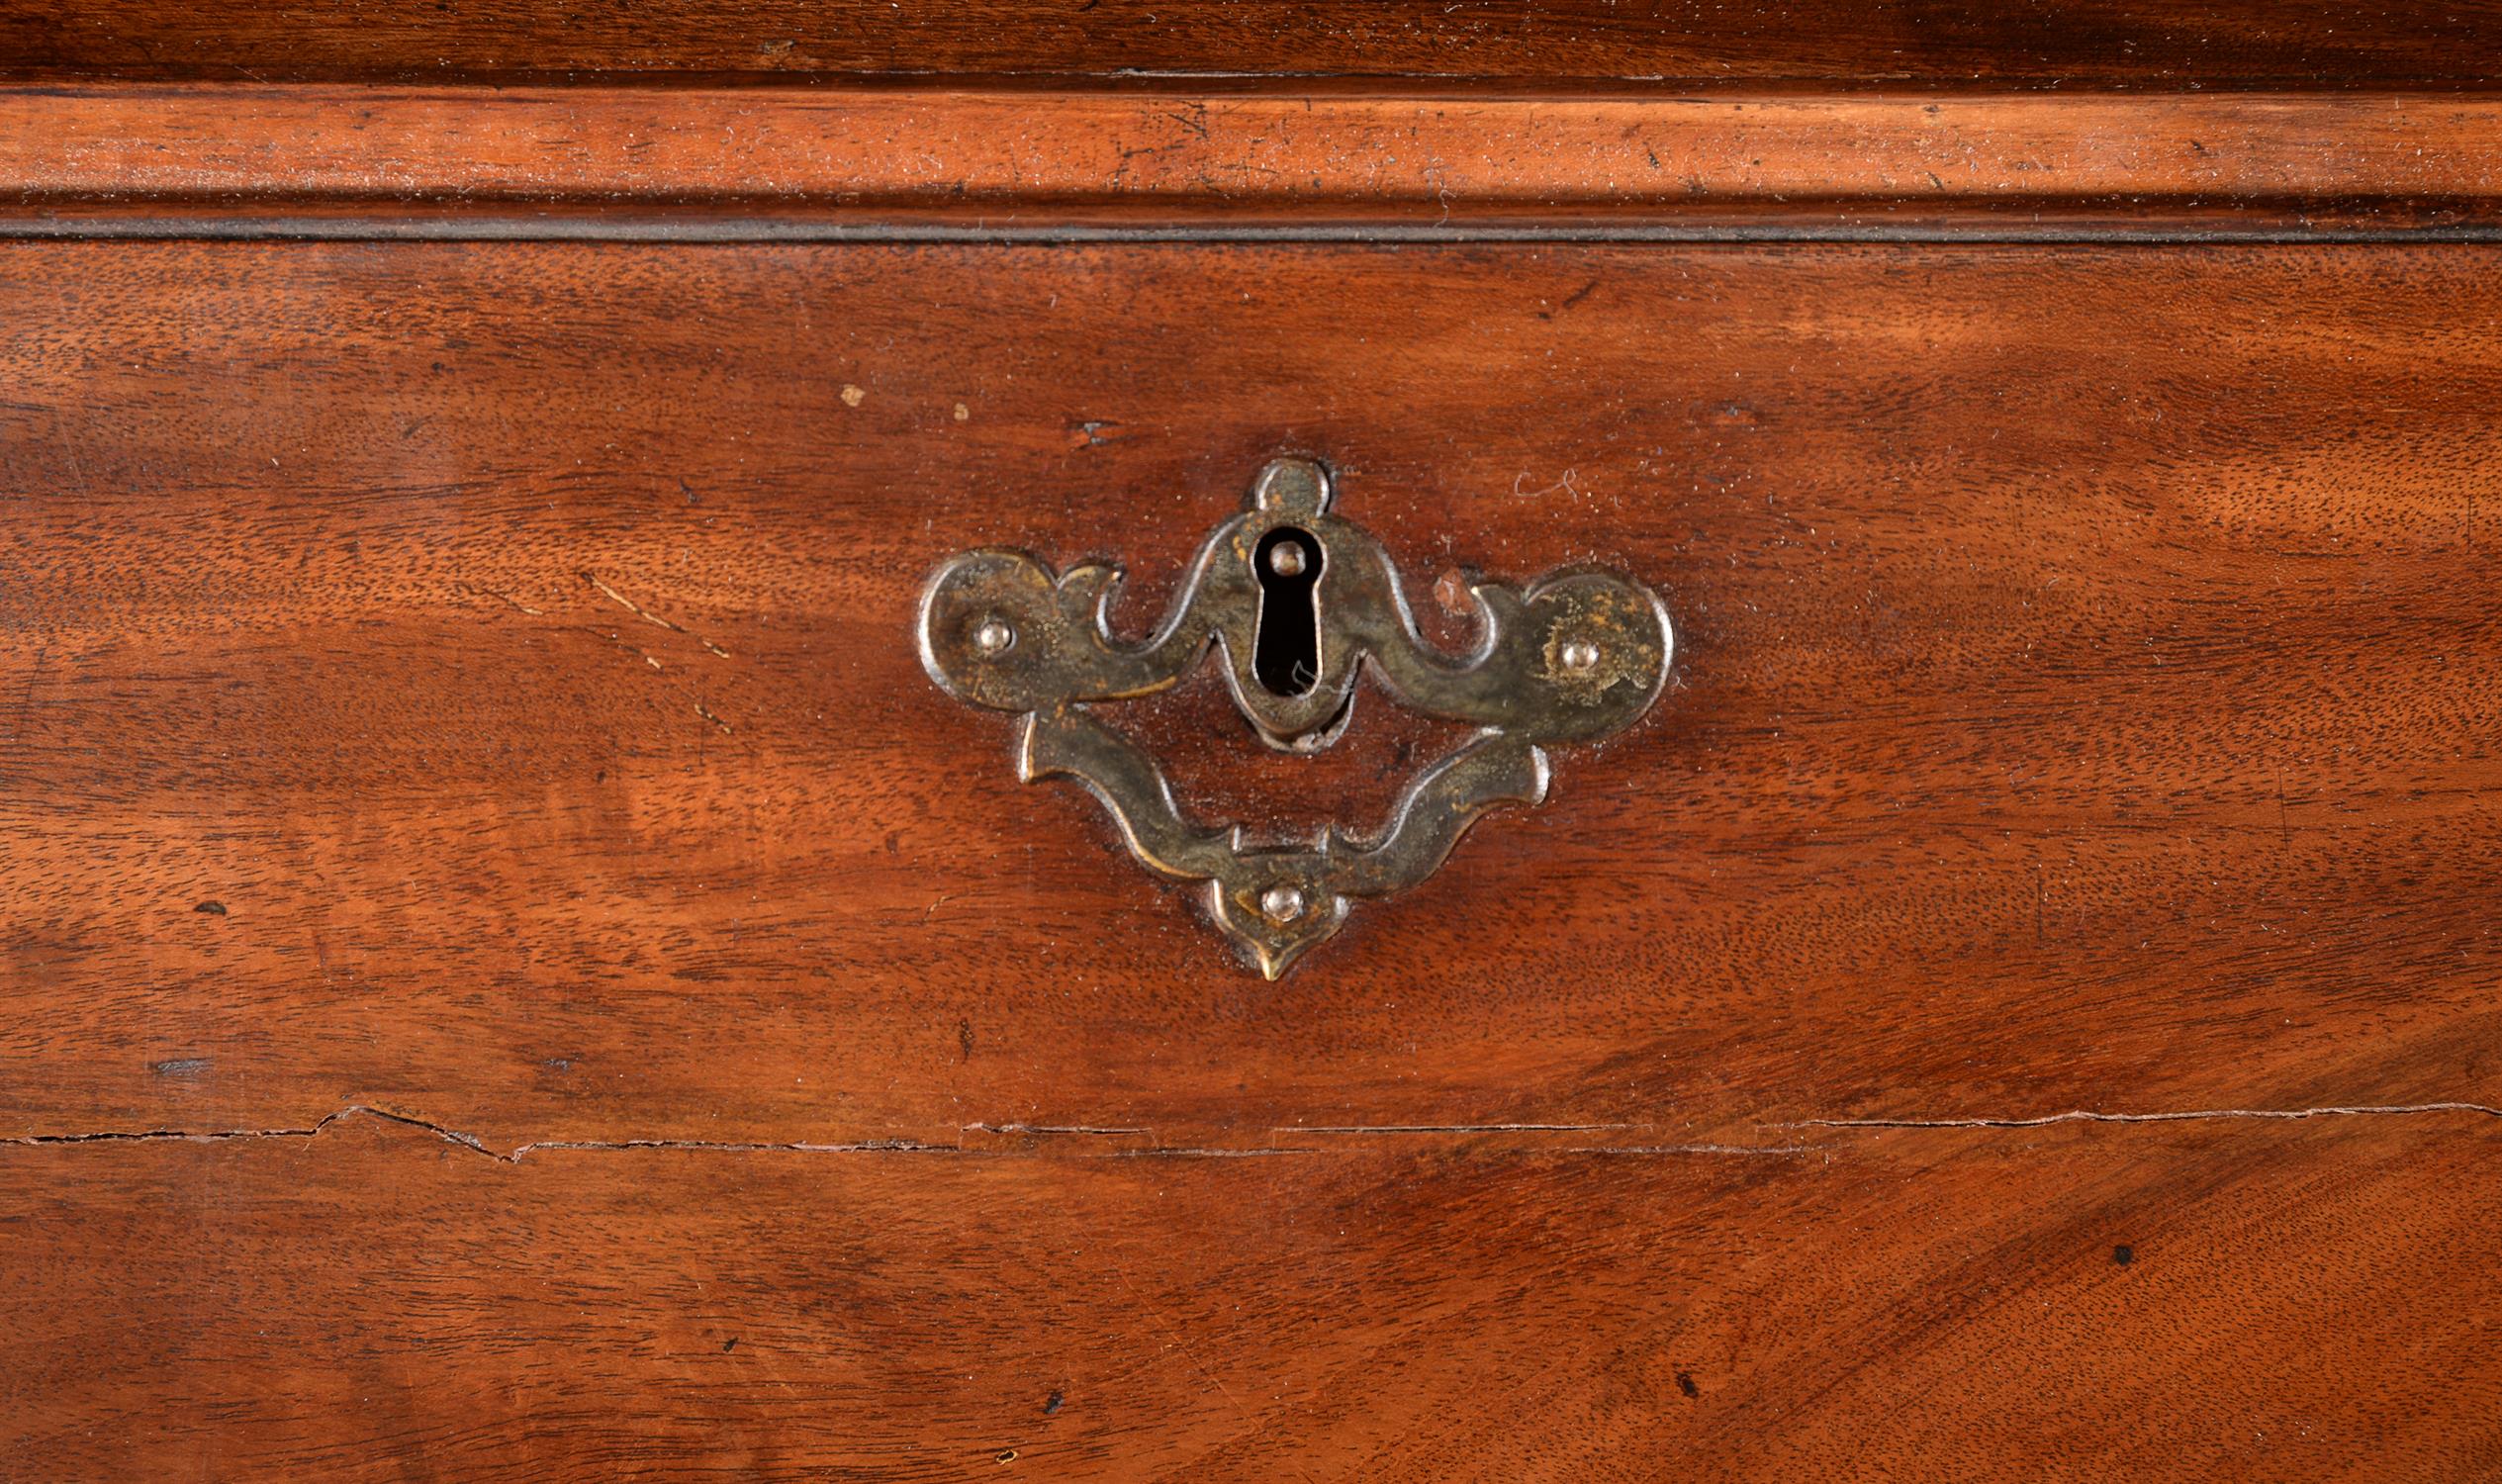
(1571, 657)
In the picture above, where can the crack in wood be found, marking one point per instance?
(2081, 1115)
(1030, 1136)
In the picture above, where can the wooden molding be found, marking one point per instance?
(560, 162)
(1559, 45)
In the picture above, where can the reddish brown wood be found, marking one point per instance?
(2309, 1300)
(477, 682)
(513, 972)
(2060, 44)
(1007, 161)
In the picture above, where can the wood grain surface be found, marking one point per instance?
(2048, 43)
(497, 914)
(547, 160)
(2310, 1300)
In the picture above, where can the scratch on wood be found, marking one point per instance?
(26, 699)
(630, 605)
(2086, 1116)
(1180, 1344)
(1463, 1128)
(1563, 486)
(609, 636)
(1064, 1128)
(505, 598)
(646, 614)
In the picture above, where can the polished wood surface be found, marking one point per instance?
(516, 973)
(1538, 44)
(477, 682)
(545, 161)
(2309, 1299)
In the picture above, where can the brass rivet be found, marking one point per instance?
(1281, 904)
(1287, 559)
(995, 636)
(1581, 657)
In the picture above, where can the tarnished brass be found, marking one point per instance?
(1570, 658)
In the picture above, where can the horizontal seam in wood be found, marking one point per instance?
(2086, 1116)
(1476, 1134)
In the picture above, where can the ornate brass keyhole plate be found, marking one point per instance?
(1295, 600)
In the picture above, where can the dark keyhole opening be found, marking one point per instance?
(1286, 647)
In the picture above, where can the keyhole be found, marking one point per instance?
(1286, 647)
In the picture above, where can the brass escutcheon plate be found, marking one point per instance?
(1571, 657)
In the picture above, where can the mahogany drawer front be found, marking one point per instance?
(523, 969)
